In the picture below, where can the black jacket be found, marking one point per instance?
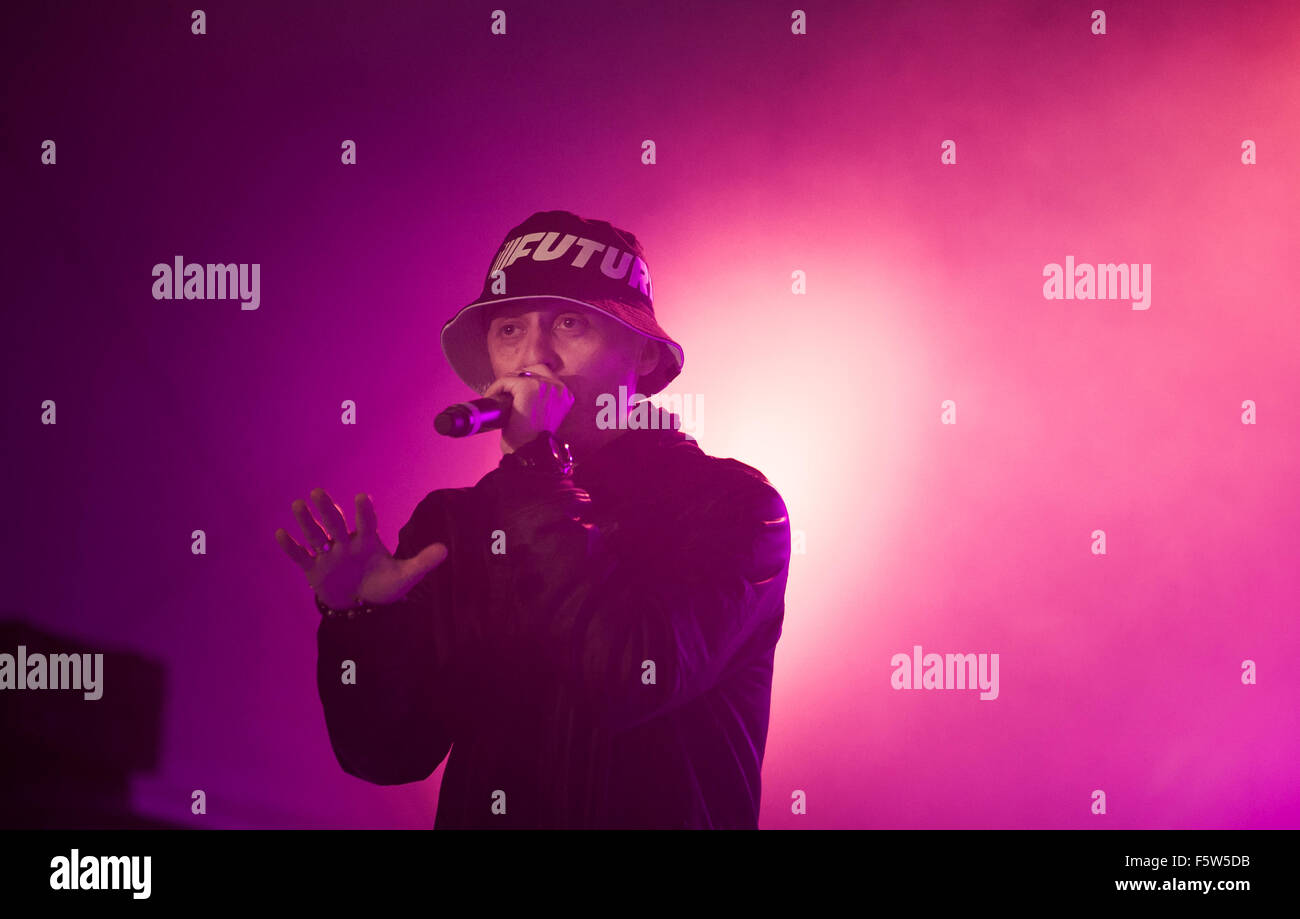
(532, 661)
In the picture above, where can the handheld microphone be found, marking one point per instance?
(474, 417)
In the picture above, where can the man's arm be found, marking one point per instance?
(591, 617)
(390, 727)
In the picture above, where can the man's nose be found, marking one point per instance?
(538, 348)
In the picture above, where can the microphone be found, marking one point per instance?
(474, 417)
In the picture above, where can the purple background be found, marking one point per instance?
(775, 153)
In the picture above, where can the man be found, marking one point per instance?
(593, 624)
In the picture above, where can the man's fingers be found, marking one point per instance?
(539, 372)
(330, 515)
(311, 530)
(367, 521)
(431, 557)
(503, 386)
(300, 556)
(539, 384)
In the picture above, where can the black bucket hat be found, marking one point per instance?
(557, 255)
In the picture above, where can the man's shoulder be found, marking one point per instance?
(729, 477)
(746, 506)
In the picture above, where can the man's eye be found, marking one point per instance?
(576, 322)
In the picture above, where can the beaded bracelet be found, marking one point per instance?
(350, 613)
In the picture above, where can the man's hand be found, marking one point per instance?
(356, 566)
(538, 403)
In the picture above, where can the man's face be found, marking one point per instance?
(586, 350)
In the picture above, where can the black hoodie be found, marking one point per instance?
(611, 668)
